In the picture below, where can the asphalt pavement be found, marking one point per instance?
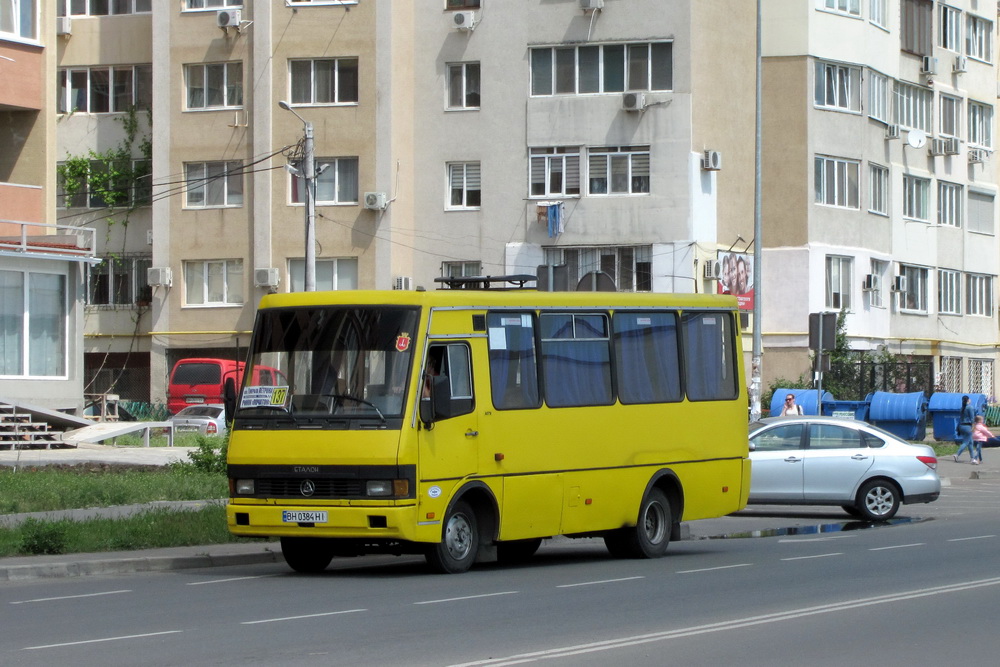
(959, 482)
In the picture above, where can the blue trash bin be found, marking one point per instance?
(804, 397)
(847, 409)
(944, 409)
(903, 415)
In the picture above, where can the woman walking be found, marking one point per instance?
(966, 419)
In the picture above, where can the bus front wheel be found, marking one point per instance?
(456, 552)
(650, 536)
(307, 555)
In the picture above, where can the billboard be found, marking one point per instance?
(736, 277)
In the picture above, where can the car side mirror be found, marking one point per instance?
(753, 446)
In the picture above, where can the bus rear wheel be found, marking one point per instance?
(308, 555)
(650, 536)
(456, 552)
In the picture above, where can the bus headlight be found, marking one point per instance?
(244, 487)
(381, 487)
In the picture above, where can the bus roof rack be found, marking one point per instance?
(486, 282)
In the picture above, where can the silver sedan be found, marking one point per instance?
(207, 419)
(829, 461)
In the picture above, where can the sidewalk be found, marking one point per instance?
(759, 518)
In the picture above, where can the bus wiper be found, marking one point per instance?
(341, 397)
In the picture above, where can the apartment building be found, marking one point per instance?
(880, 181)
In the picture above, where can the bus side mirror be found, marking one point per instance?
(437, 405)
(229, 399)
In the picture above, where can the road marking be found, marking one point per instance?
(734, 624)
(977, 537)
(103, 639)
(899, 546)
(818, 539)
(595, 583)
(223, 581)
(71, 597)
(467, 597)
(297, 618)
(816, 556)
(712, 569)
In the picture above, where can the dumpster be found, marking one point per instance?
(944, 409)
(804, 397)
(903, 415)
(847, 409)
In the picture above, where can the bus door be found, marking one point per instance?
(449, 447)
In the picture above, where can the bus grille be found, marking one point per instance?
(325, 488)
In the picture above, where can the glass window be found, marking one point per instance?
(949, 204)
(213, 184)
(916, 18)
(710, 372)
(336, 182)
(980, 124)
(836, 182)
(950, 28)
(951, 116)
(878, 96)
(214, 86)
(326, 81)
(463, 86)
(916, 197)
(464, 187)
(19, 18)
(980, 212)
(608, 68)
(831, 436)
(837, 87)
(647, 362)
(782, 438)
(617, 170)
(949, 292)
(213, 282)
(878, 196)
(913, 107)
(331, 274)
(849, 7)
(555, 171)
(979, 39)
(979, 295)
(914, 297)
(838, 282)
(513, 369)
(576, 359)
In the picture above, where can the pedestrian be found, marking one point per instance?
(966, 418)
(980, 434)
(790, 407)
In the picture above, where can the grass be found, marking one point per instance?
(158, 438)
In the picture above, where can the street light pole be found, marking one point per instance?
(758, 244)
(309, 176)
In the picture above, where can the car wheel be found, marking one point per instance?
(517, 551)
(459, 541)
(650, 536)
(307, 555)
(878, 500)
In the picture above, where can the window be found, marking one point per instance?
(981, 376)
(336, 182)
(878, 189)
(555, 171)
(607, 68)
(209, 4)
(849, 7)
(513, 371)
(949, 204)
(879, 270)
(212, 184)
(979, 295)
(913, 107)
(105, 89)
(629, 266)
(463, 4)
(708, 342)
(836, 182)
(980, 212)
(878, 97)
(103, 7)
(33, 313)
(647, 362)
(464, 189)
(951, 115)
(576, 359)
(916, 197)
(949, 292)
(214, 86)
(214, 282)
(95, 192)
(19, 19)
(951, 375)
(838, 87)
(119, 280)
(618, 170)
(878, 12)
(916, 21)
(322, 2)
(331, 274)
(463, 86)
(838, 282)
(461, 269)
(980, 124)
(327, 81)
(979, 39)
(914, 297)
(950, 28)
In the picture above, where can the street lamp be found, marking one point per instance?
(309, 175)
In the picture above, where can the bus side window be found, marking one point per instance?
(448, 380)
(710, 372)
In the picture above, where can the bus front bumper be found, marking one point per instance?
(345, 522)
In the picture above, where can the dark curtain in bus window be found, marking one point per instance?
(709, 370)
(576, 360)
(646, 357)
(513, 368)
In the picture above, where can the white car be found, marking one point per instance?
(829, 461)
(207, 419)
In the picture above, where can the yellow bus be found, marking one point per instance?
(468, 425)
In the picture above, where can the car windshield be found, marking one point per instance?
(200, 411)
(330, 361)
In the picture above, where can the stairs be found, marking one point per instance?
(19, 431)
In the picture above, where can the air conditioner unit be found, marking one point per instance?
(938, 146)
(228, 18)
(870, 284)
(892, 131)
(929, 65)
(952, 146)
(159, 276)
(899, 284)
(961, 65)
(711, 161)
(64, 25)
(403, 282)
(633, 101)
(266, 278)
(591, 4)
(375, 201)
(713, 270)
(464, 20)
(977, 156)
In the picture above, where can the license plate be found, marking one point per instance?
(288, 516)
(194, 399)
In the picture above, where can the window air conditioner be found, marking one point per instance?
(633, 101)
(892, 131)
(228, 18)
(871, 283)
(977, 156)
(938, 146)
(899, 284)
(403, 282)
(64, 25)
(929, 65)
(713, 270)
(591, 4)
(159, 276)
(952, 146)
(375, 201)
(266, 278)
(961, 65)
(711, 161)
(464, 20)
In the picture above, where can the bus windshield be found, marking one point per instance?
(350, 362)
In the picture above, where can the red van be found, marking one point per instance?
(196, 381)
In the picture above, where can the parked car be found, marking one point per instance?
(208, 419)
(830, 461)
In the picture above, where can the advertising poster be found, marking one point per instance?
(736, 277)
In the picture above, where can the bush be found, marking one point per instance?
(209, 455)
(43, 537)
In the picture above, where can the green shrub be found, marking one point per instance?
(43, 537)
(208, 456)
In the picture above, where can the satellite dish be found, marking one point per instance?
(916, 138)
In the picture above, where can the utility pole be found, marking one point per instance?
(309, 176)
(755, 360)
